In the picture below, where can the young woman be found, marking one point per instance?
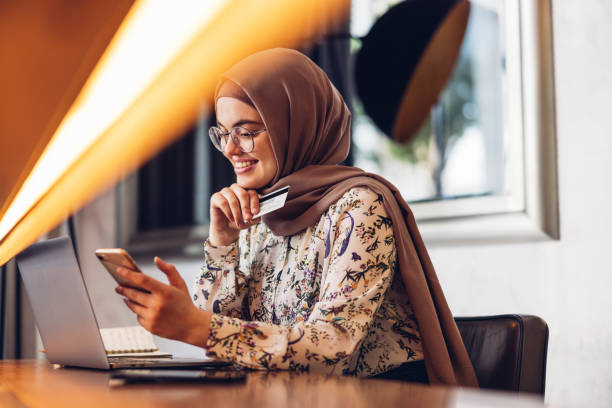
(338, 280)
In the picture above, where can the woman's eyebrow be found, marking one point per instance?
(241, 122)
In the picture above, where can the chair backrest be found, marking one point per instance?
(508, 351)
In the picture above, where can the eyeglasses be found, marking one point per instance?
(243, 138)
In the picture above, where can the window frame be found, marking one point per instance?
(529, 208)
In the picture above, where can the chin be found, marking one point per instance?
(248, 183)
(254, 181)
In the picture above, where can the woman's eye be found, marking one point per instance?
(244, 132)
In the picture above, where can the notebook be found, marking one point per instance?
(131, 341)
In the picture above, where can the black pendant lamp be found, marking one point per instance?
(405, 61)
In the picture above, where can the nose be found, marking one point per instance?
(231, 147)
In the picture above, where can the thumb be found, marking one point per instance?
(174, 278)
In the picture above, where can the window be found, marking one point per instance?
(482, 166)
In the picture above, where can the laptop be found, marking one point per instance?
(64, 314)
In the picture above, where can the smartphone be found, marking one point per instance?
(120, 377)
(113, 258)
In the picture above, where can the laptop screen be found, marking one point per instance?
(61, 305)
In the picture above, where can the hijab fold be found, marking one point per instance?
(309, 128)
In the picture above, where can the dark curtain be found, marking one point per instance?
(166, 196)
(332, 54)
(10, 312)
(165, 187)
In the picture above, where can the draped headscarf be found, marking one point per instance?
(309, 127)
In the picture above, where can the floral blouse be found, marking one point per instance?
(326, 299)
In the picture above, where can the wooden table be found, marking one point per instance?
(38, 384)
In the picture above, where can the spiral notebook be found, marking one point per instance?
(131, 341)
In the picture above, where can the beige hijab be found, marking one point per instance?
(309, 127)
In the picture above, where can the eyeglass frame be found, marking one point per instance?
(235, 139)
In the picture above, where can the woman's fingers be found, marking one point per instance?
(234, 204)
(218, 201)
(174, 278)
(135, 307)
(140, 280)
(245, 201)
(133, 295)
(254, 202)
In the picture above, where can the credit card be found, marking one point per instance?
(272, 201)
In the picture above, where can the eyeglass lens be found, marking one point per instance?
(240, 136)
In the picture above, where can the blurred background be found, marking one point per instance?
(507, 176)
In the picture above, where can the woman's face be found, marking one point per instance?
(257, 168)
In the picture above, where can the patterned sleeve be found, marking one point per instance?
(223, 282)
(359, 261)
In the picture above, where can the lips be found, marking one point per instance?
(244, 166)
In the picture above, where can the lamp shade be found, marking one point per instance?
(406, 59)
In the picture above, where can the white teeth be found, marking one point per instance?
(244, 164)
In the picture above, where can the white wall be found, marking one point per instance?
(568, 282)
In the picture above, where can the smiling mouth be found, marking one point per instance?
(244, 164)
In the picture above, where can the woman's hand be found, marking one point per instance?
(231, 210)
(168, 310)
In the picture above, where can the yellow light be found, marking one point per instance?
(146, 89)
(142, 47)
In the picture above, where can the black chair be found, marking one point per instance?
(508, 351)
